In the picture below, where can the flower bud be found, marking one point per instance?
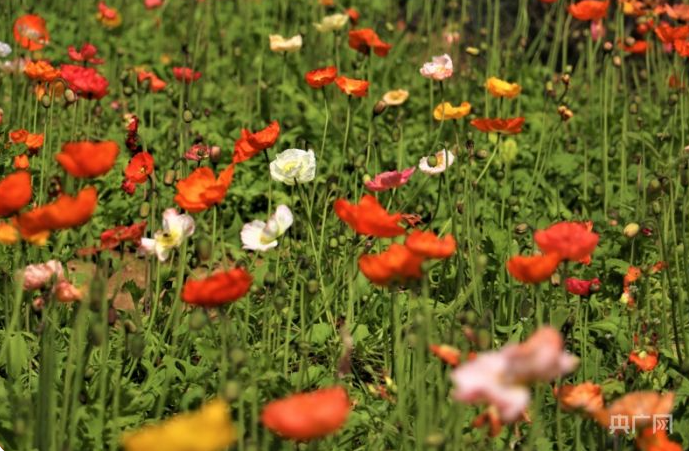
(144, 209)
(70, 96)
(187, 116)
(169, 177)
(473, 51)
(45, 101)
(379, 108)
(631, 230)
(198, 319)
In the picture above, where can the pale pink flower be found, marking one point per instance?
(541, 358)
(439, 68)
(39, 275)
(597, 30)
(197, 152)
(390, 179)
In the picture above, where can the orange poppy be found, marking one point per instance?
(139, 168)
(669, 34)
(589, 10)
(534, 269)
(86, 159)
(218, 289)
(351, 86)
(112, 238)
(639, 407)
(66, 212)
(369, 217)
(318, 78)
(397, 262)
(30, 32)
(201, 190)
(365, 39)
(586, 396)
(655, 439)
(155, 83)
(644, 360)
(638, 48)
(446, 353)
(263, 139)
(34, 142)
(16, 192)
(682, 48)
(633, 274)
(510, 126)
(679, 11)
(8, 233)
(21, 161)
(428, 245)
(353, 15)
(243, 150)
(307, 416)
(570, 240)
(18, 136)
(41, 71)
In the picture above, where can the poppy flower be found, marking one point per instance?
(581, 287)
(8, 233)
(85, 81)
(332, 22)
(243, 150)
(428, 245)
(365, 39)
(293, 166)
(570, 240)
(16, 192)
(589, 10)
(446, 353)
(639, 407)
(19, 136)
(655, 439)
(682, 48)
(307, 416)
(353, 15)
(586, 396)
(390, 179)
(534, 269)
(30, 32)
(395, 97)
(396, 263)
(109, 17)
(279, 44)
(510, 126)
(369, 217)
(261, 236)
(445, 111)
(112, 238)
(679, 11)
(263, 139)
(437, 163)
(39, 275)
(140, 167)
(439, 68)
(33, 142)
(502, 88)
(351, 86)
(218, 289)
(201, 190)
(155, 84)
(176, 228)
(86, 54)
(318, 78)
(41, 71)
(638, 48)
(21, 161)
(86, 159)
(644, 360)
(66, 212)
(185, 74)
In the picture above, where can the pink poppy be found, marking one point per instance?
(39, 275)
(390, 179)
(582, 287)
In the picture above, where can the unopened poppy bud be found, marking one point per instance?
(595, 287)
(96, 334)
(269, 279)
(198, 319)
(127, 91)
(565, 79)
(550, 89)
(379, 108)
(555, 280)
(136, 345)
(237, 356)
(203, 249)
(630, 41)
(483, 339)
(435, 440)
(130, 327)
(473, 51)
(232, 391)
(607, 46)
(312, 286)
(631, 230)
(482, 154)
(654, 186)
(45, 101)
(214, 153)
(144, 209)
(655, 206)
(673, 99)
(178, 175)
(69, 96)
(333, 243)
(187, 116)
(616, 61)
(633, 108)
(169, 177)
(521, 228)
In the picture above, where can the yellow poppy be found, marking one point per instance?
(446, 111)
(502, 88)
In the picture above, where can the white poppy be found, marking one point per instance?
(444, 160)
(5, 49)
(332, 22)
(176, 228)
(280, 44)
(261, 236)
(294, 166)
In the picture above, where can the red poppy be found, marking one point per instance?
(66, 212)
(86, 159)
(33, 142)
(570, 240)
(16, 192)
(263, 139)
(638, 48)
(201, 190)
(86, 54)
(185, 74)
(365, 39)
(18, 136)
(132, 140)
(243, 150)
(155, 83)
(369, 217)
(318, 78)
(644, 360)
(581, 287)
(669, 34)
(218, 289)
(139, 168)
(85, 81)
(655, 439)
(587, 397)
(41, 71)
(351, 86)
(30, 32)
(21, 161)
(307, 416)
(396, 263)
(682, 48)
(534, 269)
(428, 245)
(446, 353)
(510, 126)
(589, 10)
(353, 15)
(112, 238)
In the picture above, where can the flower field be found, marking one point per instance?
(344, 225)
